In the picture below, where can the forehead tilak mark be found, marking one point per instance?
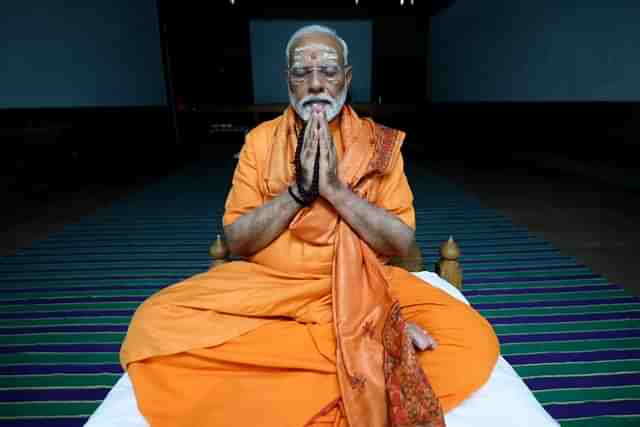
(319, 46)
(327, 52)
(300, 57)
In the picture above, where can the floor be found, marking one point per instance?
(584, 217)
(595, 222)
(35, 216)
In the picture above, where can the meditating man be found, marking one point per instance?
(313, 328)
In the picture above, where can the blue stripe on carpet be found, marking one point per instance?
(66, 301)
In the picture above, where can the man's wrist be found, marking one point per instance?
(336, 193)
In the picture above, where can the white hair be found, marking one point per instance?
(313, 29)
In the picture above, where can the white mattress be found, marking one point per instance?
(503, 401)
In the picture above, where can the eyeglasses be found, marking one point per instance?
(327, 72)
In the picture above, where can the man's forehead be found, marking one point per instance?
(314, 47)
(316, 43)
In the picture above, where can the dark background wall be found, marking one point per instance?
(76, 53)
(84, 87)
(549, 83)
(211, 55)
(83, 99)
(551, 50)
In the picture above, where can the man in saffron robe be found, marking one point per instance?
(314, 328)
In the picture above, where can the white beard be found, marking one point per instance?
(335, 105)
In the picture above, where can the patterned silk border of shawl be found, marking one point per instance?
(411, 400)
(384, 148)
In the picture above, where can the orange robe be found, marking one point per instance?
(253, 343)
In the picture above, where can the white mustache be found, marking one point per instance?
(335, 105)
(316, 98)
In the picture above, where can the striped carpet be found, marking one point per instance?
(65, 301)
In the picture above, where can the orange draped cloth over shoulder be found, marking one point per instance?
(309, 330)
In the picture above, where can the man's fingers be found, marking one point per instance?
(310, 135)
(419, 341)
(420, 338)
(323, 129)
(308, 131)
(326, 149)
(322, 141)
(312, 124)
(431, 343)
(322, 121)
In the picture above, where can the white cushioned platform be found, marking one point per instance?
(503, 401)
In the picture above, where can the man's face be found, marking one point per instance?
(317, 75)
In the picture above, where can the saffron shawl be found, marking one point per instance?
(380, 379)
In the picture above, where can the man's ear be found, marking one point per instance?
(348, 74)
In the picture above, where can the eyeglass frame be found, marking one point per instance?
(319, 69)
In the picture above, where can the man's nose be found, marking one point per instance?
(315, 82)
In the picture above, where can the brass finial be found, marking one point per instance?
(450, 250)
(218, 251)
(448, 267)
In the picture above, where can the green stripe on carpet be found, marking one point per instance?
(145, 243)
